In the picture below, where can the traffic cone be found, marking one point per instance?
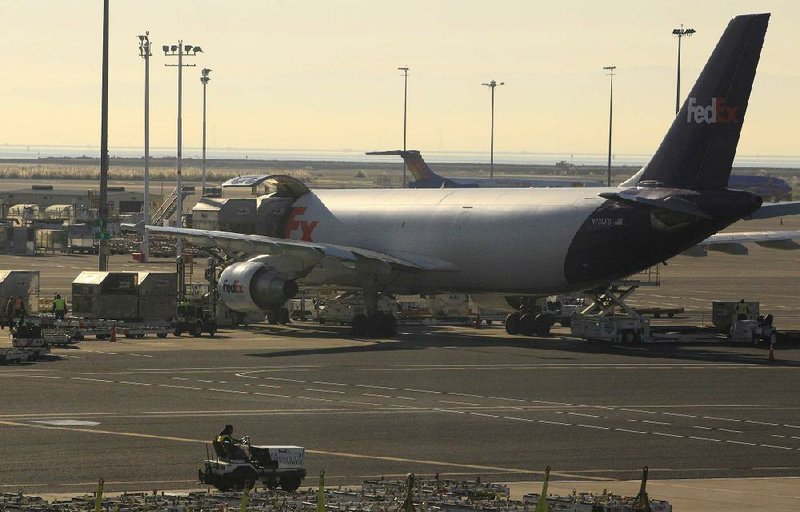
(771, 356)
(113, 333)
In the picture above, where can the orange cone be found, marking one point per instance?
(771, 356)
(113, 333)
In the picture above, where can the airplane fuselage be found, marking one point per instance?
(553, 240)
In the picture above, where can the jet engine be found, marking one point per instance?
(251, 286)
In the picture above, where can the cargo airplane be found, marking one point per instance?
(769, 188)
(511, 241)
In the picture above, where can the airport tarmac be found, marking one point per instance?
(712, 421)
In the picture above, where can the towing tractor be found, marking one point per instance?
(274, 466)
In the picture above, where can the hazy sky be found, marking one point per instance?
(302, 74)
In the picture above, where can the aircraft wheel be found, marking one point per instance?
(389, 325)
(360, 325)
(513, 323)
(283, 316)
(272, 317)
(542, 324)
(527, 324)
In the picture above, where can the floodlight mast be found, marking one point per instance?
(681, 33)
(180, 50)
(204, 79)
(405, 116)
(102, 249)
(145, 52)
(610, 70)
(491, 85)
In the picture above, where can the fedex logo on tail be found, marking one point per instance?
(717, 112)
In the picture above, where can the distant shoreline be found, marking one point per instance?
(315, 172)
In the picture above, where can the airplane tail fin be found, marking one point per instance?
(413, 159)
(697, 152)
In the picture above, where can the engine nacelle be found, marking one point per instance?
(252, 287)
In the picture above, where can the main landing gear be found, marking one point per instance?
(278, 316)
(375, 325)
(529, 321)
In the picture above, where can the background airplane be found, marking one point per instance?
(768, 187)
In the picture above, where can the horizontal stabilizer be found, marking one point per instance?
(666, 199)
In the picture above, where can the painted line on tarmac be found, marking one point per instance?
(348, 455)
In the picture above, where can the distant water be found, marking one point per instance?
(348, 155)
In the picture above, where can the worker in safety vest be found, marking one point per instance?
(59, 307)
(225, 445)
(742, 311)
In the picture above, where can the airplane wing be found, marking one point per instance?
(781, 209)
(733, 243)
(307, 254)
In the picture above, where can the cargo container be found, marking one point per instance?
(51, 240)
(109, 295)
(158, 295)
(20, 283)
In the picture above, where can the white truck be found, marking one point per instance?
(616, 329)
(274, 466)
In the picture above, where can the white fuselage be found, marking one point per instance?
(498, 240)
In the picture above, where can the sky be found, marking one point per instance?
(322, 75)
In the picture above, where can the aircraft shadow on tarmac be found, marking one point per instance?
(430, 337)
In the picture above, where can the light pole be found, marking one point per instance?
(145, 53)
(180, 50)
(680, 32)
(405, 118)
(610, 70)
(491, 85)
(204, 79)
(102, 250)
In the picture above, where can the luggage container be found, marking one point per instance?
(51, 240)
(109, 295)
(723, 313)
(158, 295)
(20, 283)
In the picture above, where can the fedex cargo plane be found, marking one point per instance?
(512, 241)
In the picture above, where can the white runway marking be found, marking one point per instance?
(744, 443)
(68, 423)
(665, 434)
(598, 427)
(776, 447)
(705, 439)
(315, 390)
(453, 402)
(629, 430)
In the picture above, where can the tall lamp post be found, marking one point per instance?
(102, 263)
(204, 79)
(491, 85)
(610, 70)
(180, 50)
(145, 53)
(680, 32)
(405, 117)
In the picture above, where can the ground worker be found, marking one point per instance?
(225, 445)
(59, 307)
(742, 311)
(19, 309)
(8, 309)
